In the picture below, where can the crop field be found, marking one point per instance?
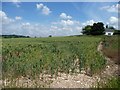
(34, 56)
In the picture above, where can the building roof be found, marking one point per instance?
(109, 30)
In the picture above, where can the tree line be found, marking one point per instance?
(14, 36)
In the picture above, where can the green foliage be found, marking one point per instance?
(95, 29)
(116, 32)
(14, 36)
(113, 82)
(111, 27)
(87, 30)
(34, 56)
(111, 42)
(98, 28)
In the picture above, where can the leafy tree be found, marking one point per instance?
(87, 30)
(50, 35)
(96, 29)
(111, 27)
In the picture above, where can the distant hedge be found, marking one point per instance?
(117, 32)
(14, 36)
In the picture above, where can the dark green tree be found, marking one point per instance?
(96, 29)
(111, 27)
(50, 35)
(87, 30)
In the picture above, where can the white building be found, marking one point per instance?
(109, 32)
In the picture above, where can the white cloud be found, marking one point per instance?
(2, 14)
(27, 29)
(15, 0)
(66, 27)
(4, 19)
(54, 27)
(65, 30)
(113, 20)
(18, 18)
(64, 16)
(16, 3)
(79, 28)
(26, 24)
(90, 22)
(63, 27)
(45, 10)
(113, 8)
(39, 6)
(67, 22)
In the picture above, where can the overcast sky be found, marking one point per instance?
(42, 19)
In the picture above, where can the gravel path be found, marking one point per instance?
(73, 81)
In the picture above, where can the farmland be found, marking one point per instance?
(31, 57)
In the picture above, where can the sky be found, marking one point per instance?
(42, 19)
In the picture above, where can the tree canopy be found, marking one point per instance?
(87, 30)
(95, 29)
